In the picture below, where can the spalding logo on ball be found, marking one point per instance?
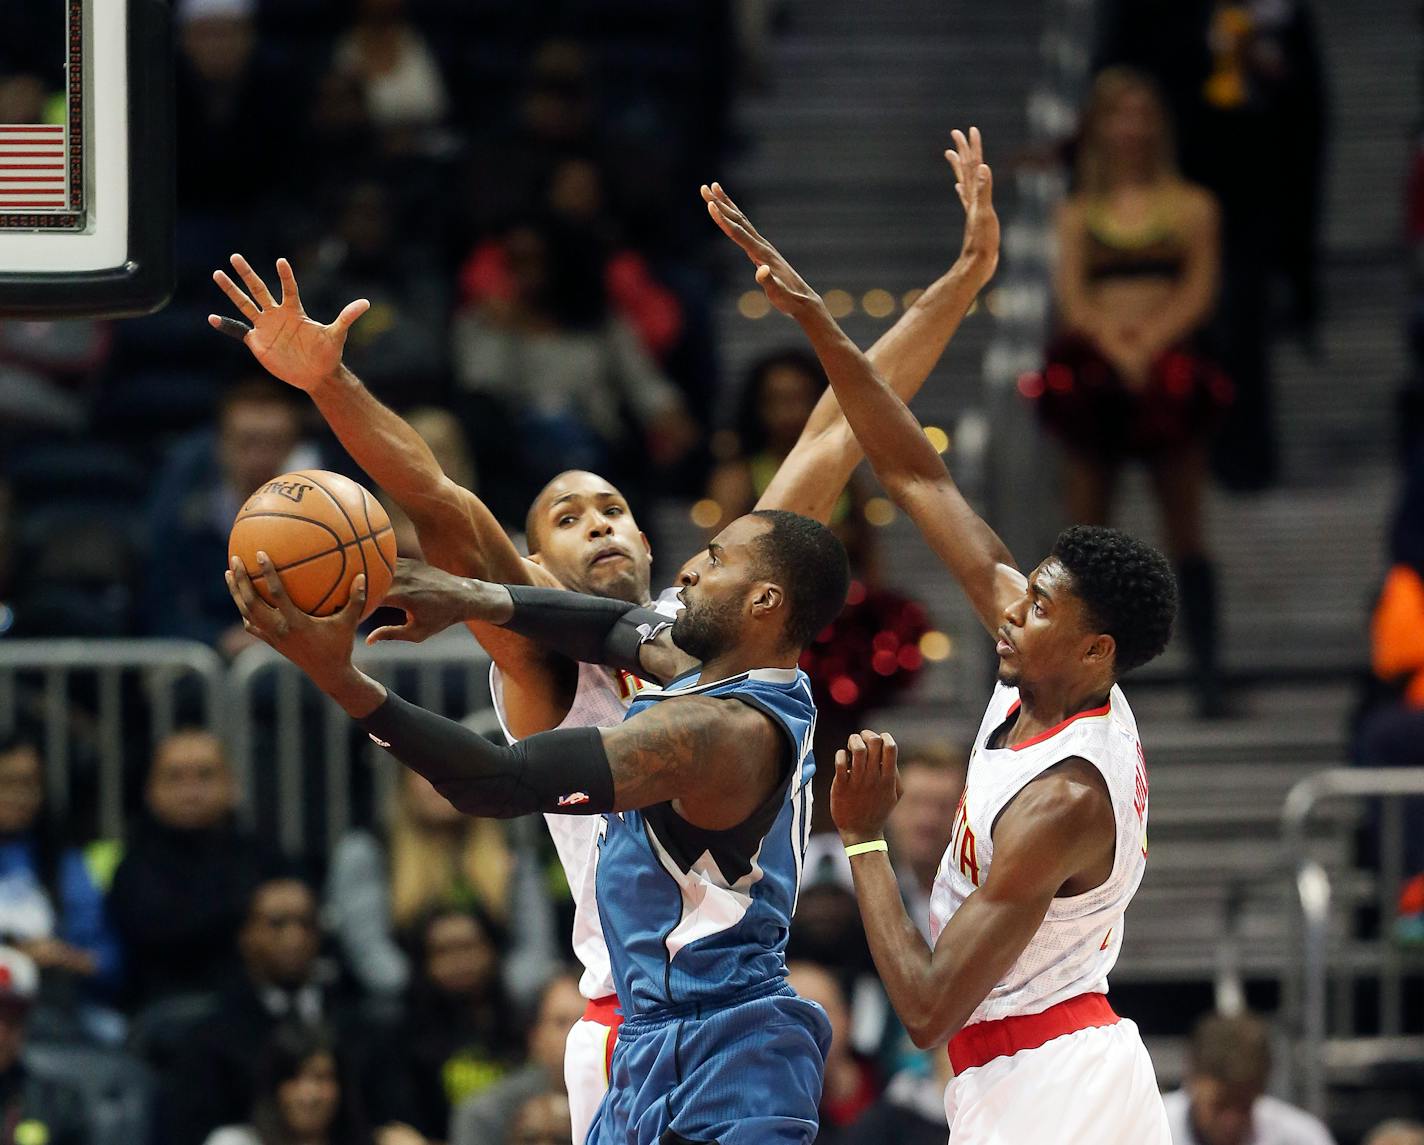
(320, 530)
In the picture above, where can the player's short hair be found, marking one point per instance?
(1235, 1050)
(1127, 586)
(534, 519)
(810, 564)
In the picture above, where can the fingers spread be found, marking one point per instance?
(258, 288)
(234, 292)
(230, 326)
(289, 283)
(353, 310)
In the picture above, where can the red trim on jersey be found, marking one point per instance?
(1056, 728)
(983, 1042)
(605, 1012)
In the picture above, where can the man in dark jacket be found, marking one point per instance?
(179, 895)
(282, 981)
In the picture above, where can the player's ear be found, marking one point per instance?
(647, 544)
(1101, 649)
(767, 597)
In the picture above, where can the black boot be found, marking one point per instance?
(1196, 582)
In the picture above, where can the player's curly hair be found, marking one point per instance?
(1127, 586)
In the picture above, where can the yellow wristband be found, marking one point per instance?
(865, 848)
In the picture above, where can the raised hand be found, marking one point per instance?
(287, 343)
(785, 289)
(974, 182)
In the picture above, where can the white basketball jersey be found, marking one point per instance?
(601, 700)
(1081, 935)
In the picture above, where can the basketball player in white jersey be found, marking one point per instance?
(1050, 839)
(582, 536)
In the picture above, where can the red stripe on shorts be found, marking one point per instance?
(982, 1042)
(605, 1012)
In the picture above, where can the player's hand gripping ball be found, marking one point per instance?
(321, 530)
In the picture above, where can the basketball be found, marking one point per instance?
(320, 530)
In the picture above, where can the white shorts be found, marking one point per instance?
(1092, 1085)
(587, 1052)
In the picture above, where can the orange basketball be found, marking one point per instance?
(320, 530)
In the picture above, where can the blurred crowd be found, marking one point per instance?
(513, 187)
(509, 185)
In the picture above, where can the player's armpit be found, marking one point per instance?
(717, 759)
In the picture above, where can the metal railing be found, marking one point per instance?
(1311, 1006)
(43, 678)
(274, 708)
(277, 728)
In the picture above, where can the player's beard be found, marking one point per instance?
(1009, 677)
(706, 629)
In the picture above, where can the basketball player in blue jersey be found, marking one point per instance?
(704, 790)
(582, 535)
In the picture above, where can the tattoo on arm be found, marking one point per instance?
(668, 752)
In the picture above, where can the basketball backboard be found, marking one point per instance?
(86, 159)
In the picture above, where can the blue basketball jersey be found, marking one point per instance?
(695, 917)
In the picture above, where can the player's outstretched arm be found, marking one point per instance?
(456, 529)
(1056, 828)
(659, 755)
(904, 460)
(816, 470)
(590, 629)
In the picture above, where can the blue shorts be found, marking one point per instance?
(748, 1073)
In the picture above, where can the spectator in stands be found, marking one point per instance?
(304, 1095)
(33, 1108)
(1396, 1132)
(51, 904)
(282, 981)
(489, 1116)
(199, 491)
(911, 1110)
(1139, 252)
(48, 371)
(442, 431)
(1223, 1100)
(180, 892)
(550, 372)
(780, 392)
(1391, 729)
(1245, 83)
(399, 348)
(577, 193)
(922, 823)
(398, 73)
(851, 1084)
(435, 857)
(543, 1119)
(461, 1033)
(229, 94)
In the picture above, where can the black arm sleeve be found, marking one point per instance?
(591, 629)
(563, 771)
